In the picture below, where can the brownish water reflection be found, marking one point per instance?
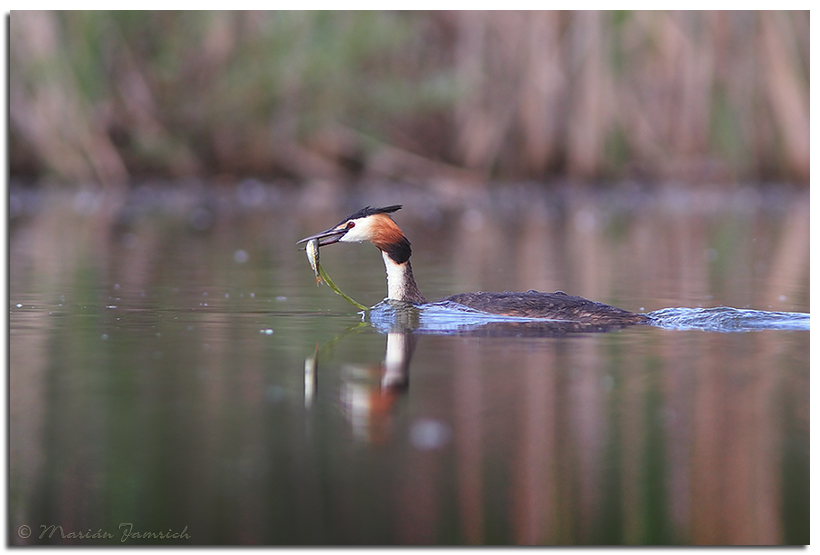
(158, 377)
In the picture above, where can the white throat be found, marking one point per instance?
(401, 286)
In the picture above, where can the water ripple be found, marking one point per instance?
(447, 318)
(727, 319)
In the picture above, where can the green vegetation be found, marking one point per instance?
(109, 96)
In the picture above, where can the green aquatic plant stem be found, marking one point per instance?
(338, 291)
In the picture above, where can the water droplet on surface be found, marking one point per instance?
(427, 434)
(472, 220)
(129, 240)
(585, 220)
(201, 219)
(251, 193)
(275, 394)
(86, 202)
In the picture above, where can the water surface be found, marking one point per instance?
(174, 366)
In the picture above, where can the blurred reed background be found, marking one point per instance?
(469, 96)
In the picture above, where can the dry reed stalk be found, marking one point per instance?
(690, 122)
(786, 90)
(588, 111)
(48, 108)
(473, 128)
(141, 116)
(698, 95)
(542, 93)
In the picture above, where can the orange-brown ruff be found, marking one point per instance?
(375, 225)
(386, 232)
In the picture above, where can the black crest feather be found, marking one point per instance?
(369, 211)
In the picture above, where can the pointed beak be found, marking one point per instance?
(328, 237)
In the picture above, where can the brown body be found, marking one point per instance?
(553, 306)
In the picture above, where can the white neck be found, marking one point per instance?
(400, 347)
(401, 286)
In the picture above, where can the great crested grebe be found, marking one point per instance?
(375, 225)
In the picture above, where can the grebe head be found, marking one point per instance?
(369, 224)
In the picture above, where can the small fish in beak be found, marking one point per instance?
(312, 250)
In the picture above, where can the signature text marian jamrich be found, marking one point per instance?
(126, 532)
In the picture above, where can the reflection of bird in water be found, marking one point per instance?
(369, 407)
(375, 225)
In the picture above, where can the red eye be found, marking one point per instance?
(350, 224)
